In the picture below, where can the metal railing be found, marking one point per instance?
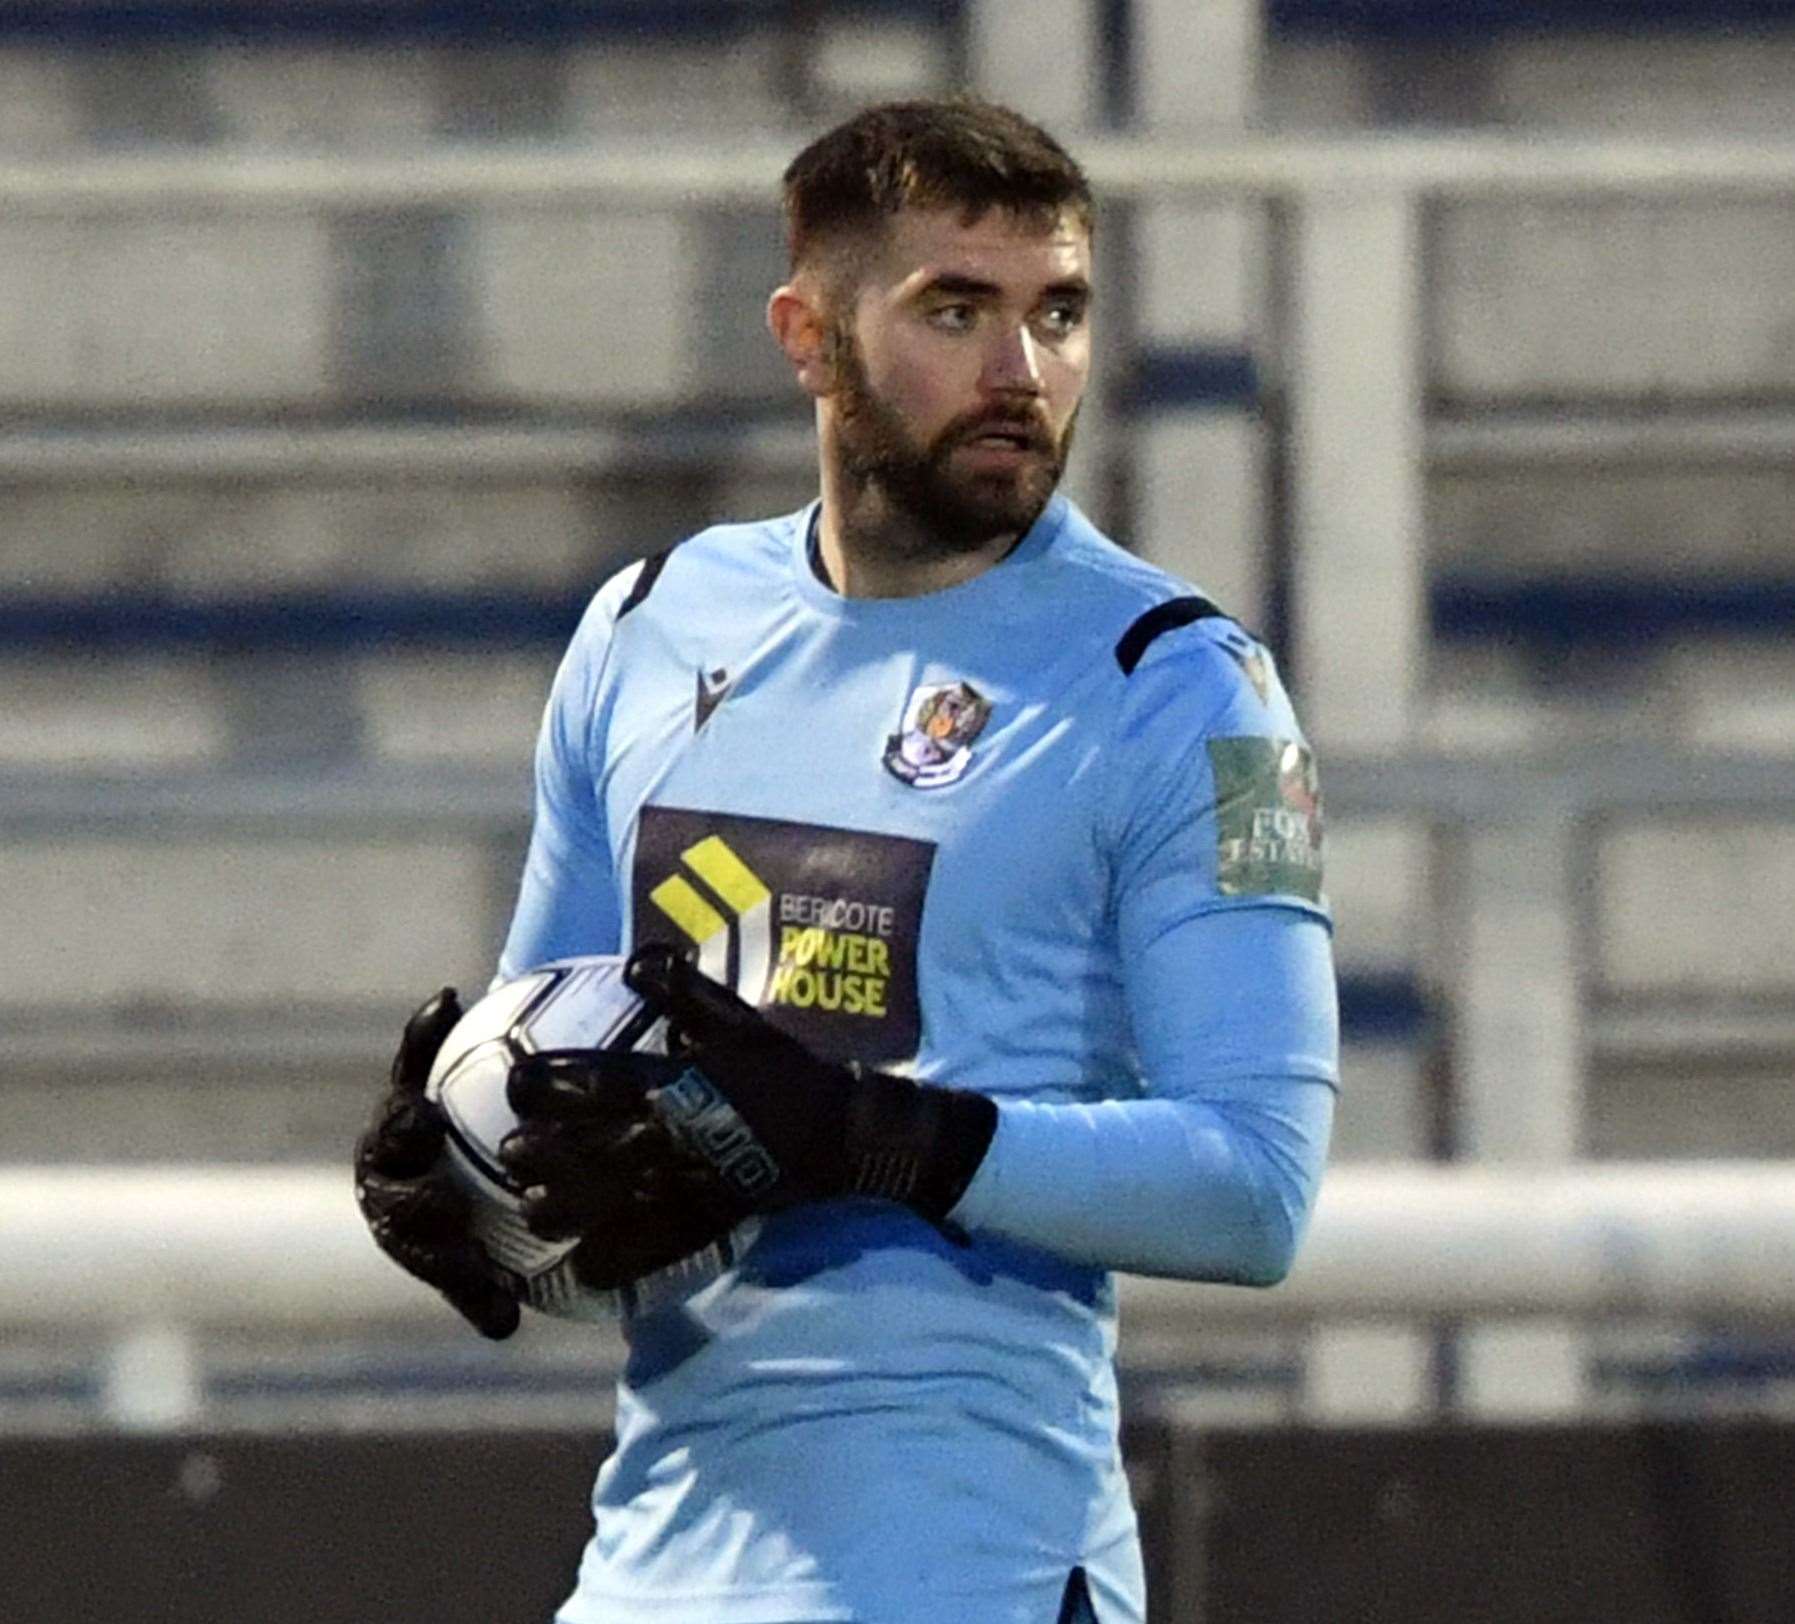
(155, 1259)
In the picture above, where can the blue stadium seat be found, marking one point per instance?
(1421, 20)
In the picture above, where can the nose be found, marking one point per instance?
(1014, 363)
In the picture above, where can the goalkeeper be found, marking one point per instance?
(977, 865)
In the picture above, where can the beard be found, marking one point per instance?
(951, 510)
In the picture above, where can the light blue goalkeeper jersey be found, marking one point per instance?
(1052, 834)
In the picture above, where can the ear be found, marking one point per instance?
(799, 327)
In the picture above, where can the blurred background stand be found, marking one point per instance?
(347, 349)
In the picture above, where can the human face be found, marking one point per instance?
(960, 373)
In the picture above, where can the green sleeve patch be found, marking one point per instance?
(1268, 818)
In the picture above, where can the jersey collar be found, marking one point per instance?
(986, 587)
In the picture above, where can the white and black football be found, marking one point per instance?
(579, 1003)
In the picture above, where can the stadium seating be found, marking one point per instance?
(304, 495)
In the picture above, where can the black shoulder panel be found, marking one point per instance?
(1162, 617)
(651, 571)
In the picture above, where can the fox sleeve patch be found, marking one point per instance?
(1268, 818)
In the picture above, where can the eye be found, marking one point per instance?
(956, 316)
(1062, 317)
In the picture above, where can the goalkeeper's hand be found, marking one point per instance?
(781, 1125)
(415, 1213)
(595, 1161)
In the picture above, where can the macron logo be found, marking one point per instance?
(713, 689)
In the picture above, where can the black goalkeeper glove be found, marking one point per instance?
(596, 1161)
(416, 1214)
(781, 1125)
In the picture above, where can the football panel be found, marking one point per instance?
(491, 1017)
(680, 1280)
(501, 1230)
(587, 1007)
(472, 1095)
(558, 1291)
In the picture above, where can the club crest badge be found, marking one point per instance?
(934, 745)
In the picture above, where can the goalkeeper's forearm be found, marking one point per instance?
(1209, 1188)
(1213, 1177)
(1197, 1190)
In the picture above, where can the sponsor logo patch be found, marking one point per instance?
(934, 744)
(1268, 818)
(815, 926)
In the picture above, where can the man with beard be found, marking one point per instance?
(977, 864)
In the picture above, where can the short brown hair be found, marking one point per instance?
(962, 153)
